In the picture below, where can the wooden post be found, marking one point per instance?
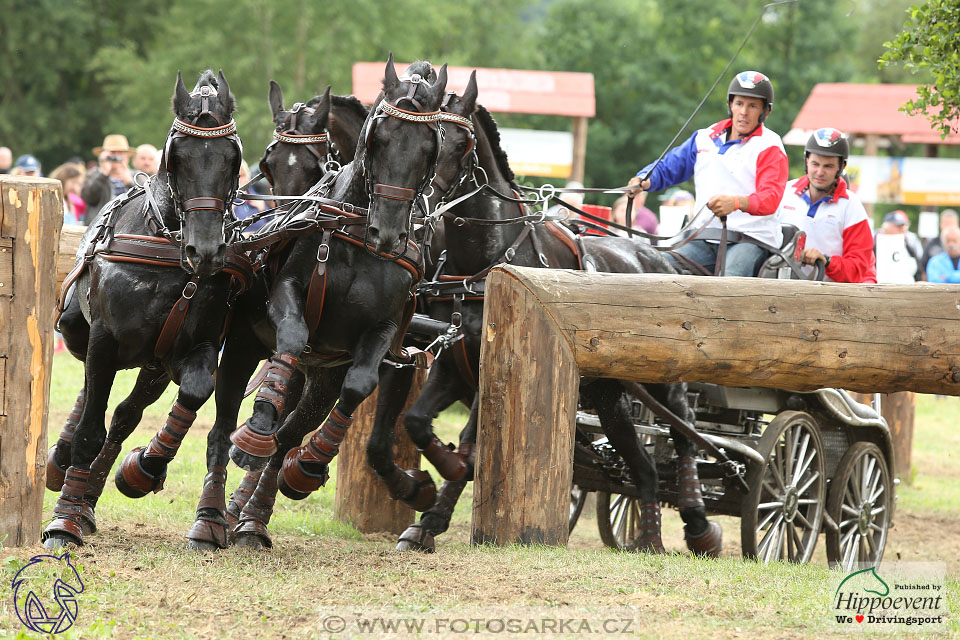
(362, 499)
(529, 388)
(579, 148)
(70, 237)
(545, 327)
(899, 410)
(30, 219)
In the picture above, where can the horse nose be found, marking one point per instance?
(373, 234)
(194, 258)
(219, 260)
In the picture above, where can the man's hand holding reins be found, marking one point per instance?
(725, 205)
(641, 186)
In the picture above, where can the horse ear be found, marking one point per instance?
(276, 98)
(469, 97)
(441, 84)
(390, 79)
(223, 92)
(181, 97)
(322, 107)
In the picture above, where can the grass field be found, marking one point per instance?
(142, 583)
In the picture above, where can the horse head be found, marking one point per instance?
(458, 155)
(400, 144)
(295, 160)
(201, 164)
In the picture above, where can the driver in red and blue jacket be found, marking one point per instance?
(833, 217)
(739, 169)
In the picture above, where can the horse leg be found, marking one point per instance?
(305, 468)
(100, 371)
(144, 469)
(150, 385)
(613, 409)
(444, 386)
(255, 442)
(420, 536)
(215, 521)
(321, 387)
(58, 458)
(413, 486)
(703, 536)
(76, 335)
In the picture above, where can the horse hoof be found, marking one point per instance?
(202, 546)
(247, 461)
(249, 541)
(416, 538)
(426, 493)
(649, 544)
(253, 443)
(61, 532)
(55, 473)
(252, 534)
(133, 480)
(709, 543)
(296, 481)
(207, 536)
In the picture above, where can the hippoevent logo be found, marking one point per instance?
(45, 594)
(905, 595)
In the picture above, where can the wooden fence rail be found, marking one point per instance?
(545, 328)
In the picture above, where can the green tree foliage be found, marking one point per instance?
(50, 105)
(75, 70)
(931, 42)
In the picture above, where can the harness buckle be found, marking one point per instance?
(456, 320)
(190, 287)
(459, 221)
(323, 252)
(509, 253)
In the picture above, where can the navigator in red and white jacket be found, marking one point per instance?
(837, 226)
(755, 166)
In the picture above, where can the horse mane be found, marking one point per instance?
(423, 68)
(209, 78)
(489, 126)
(349, 102)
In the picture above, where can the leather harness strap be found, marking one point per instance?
(203, 203)
(394, 193)
(175, 318)
(318, 284)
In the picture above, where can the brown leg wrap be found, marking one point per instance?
(297, 481)
(649, 539)
(709, 543)
(273, 389)
(688, 484)
(68, 510)
(240, 497)
(101, 467)
(56, 472)
(256, 514)
(210, 526)
(132, 479)
(450, 465)
(413, 486)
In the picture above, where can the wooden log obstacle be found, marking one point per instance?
(544, 328)
(30, 219)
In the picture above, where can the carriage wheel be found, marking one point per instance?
(781, 516)
(860, 503)
(578, 497)
(618, 520)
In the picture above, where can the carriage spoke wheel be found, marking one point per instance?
(578, 497)
(618, 520)
(781, 516)
(861, 494)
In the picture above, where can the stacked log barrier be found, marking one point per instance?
(544, 328)
(30, 219)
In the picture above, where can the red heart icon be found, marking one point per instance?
(859, 618)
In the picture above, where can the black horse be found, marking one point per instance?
(307, 139)
(151, 290)
(482, 236)
(339, 299)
